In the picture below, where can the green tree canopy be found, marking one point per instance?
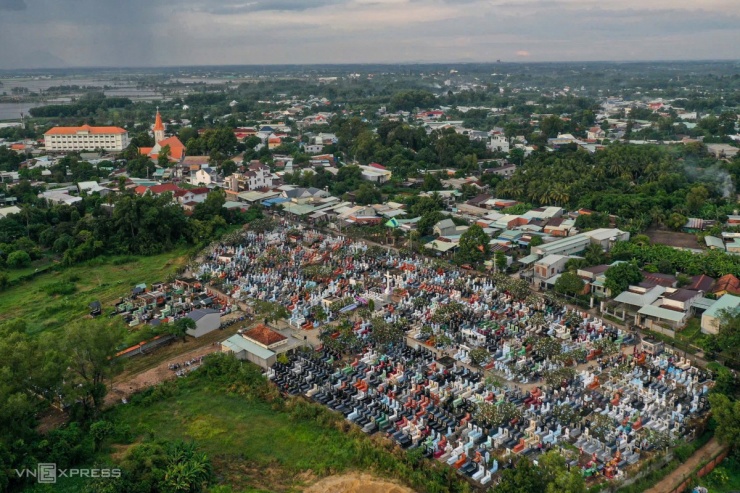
(619, 277)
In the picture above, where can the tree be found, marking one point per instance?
(479, 356)
(90, 349)
(474, 246)
(431, 182)
(180, 327)
(726, 411)
(569, 283)
(228, 167)
(501, 262)
(619, 277)
(163, 157)
(18, 259)
(676, 221)
(100, 430)
(536, 241)
(728, 337)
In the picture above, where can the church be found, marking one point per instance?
(177, 149)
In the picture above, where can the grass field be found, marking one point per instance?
(103, 279)
(261, 443)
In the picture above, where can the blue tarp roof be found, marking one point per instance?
(276, 200)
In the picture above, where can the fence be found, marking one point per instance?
(703, 471)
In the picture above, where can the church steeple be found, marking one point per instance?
(158, 128)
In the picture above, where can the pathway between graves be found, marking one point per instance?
(667, 484)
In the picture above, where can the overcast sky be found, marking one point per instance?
(43, 33)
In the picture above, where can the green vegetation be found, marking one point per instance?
(54, 299)
(257, 439)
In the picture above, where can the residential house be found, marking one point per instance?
(205, 176)
(710, 319)
(6, 211)
(157, 189)
(192, 196)
(701, 283)
(61, 197)
(549, 266)
(445, 227)
(727, 284)
(499, 142)
(594, 277)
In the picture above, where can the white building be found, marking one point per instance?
(499, 142)
(710, 319)
(60, 139)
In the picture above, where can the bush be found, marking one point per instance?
(61, 288)
(18, 259)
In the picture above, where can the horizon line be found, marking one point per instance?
(361, 64)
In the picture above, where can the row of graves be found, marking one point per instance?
(162, 302)
(562, 377)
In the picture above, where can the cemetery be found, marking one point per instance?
(466, 367)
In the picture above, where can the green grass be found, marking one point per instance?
(258, 441)
(730, 469)
(103, 279)
(248, 441)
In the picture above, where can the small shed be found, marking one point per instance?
(205, 321)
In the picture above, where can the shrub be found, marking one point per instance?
(18, 259)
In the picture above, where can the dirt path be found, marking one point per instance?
(709, 450)
(123, 389)
(356, 483)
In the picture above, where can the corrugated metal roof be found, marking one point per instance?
(237, 344)
(662, 313)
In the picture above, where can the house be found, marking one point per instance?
(61, 197)
(714, 243)
(680, 299)
(6, 211)
(194, 195)
(499, 142)
(445, 227)
(710, 319)
(727, 284)
(260, 345)
(606, 237)
(204, 176)
(206, 321)
(549, 266)
(592, 276)
(157, 189)
(595, 133)
(637, 297)
(701, 283)
(656, 317)
(375, 174)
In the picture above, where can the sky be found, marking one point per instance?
(138, 33)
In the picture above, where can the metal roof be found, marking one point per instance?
(662, 313)
(237, 343)
(726, 302)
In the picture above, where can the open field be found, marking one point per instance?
(673, 238)
(104, 279)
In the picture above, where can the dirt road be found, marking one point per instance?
(709, 450)
(134, 383)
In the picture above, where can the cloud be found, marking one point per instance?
(226, 8)
(13, 5)
(202, 32)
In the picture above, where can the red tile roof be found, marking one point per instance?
(88, 128)
(264, 335)
(177, 149)
(157, 189)
(728, 283)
